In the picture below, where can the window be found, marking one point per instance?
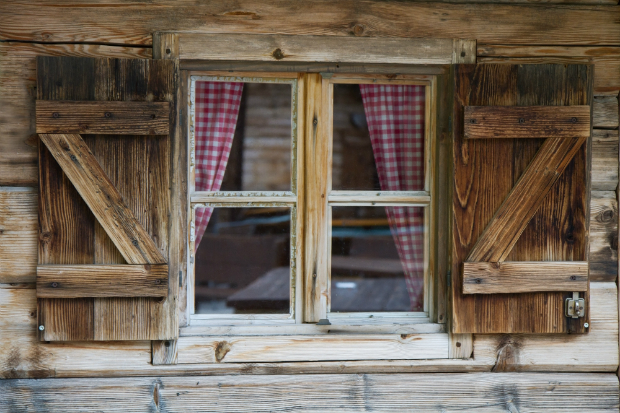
(311, 198)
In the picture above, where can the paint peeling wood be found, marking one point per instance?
(595, 351)
(75, 281)
(116, 118)
(480, 392)
(284, 48)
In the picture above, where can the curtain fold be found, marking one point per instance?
(216, 111)
(395, 116)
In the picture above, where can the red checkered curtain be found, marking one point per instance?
(395, 116)
(215, 119)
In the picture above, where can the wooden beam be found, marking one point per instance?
(117, 118)
(524, 277)
(508, 122)
(74, 281)
(504, 229)
(92, 183)
(287, 48)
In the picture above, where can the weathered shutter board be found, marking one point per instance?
(132, 163)
(486, 171)
(119, 118)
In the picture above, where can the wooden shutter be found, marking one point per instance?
(520, 197)
(104, 198)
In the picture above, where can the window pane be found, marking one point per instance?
(377, 261)
(242, 264)
(243, 136)
(378, 135)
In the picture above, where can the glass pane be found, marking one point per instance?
(243, 136)
(377, 261)
(378, 137)
(242, 263)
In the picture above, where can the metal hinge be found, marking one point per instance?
(575, 307)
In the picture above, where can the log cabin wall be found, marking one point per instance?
(507, 372)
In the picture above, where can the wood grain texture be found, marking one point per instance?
(18, 234)
(117, 118)
(604, 237)
(606, 59)
(337, 347)
(605, 112)
(524, 277)
(604, 160)
(512, 217)
(480, 392)
(284, 48)
(26, 357)
(533, 122)
(130, 23)
(77, 281)
(138, 168)
(485, 173)
(103, 199)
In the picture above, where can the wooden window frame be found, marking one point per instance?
(422, 338)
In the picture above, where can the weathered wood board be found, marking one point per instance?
(480, 392)
(487, 171)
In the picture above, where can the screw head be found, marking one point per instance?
(55, 115)
(472, 121)
(107, 115)
(54, 285)
(521, 120)
(586, 325)
(41, 328)
(573, 120)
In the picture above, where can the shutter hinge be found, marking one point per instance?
(575, 307)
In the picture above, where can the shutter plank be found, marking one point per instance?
(119, 118)
(79, 164)
(75, 281)
(485, 173)
(532, 122)
(524, 199)
(524, 277)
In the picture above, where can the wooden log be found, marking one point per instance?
(480, 392)
(81, 167)
(524, 277)
(504, 229)
(509, 122)
(284, 48)
(117, 118)
(75, 281)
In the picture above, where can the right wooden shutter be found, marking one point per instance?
(521, 198)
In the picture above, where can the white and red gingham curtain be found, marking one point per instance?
(395, 116)
(215, 119)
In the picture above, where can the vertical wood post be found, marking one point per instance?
(166, 46)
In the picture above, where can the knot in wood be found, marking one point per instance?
(463, 54)
(135, 242)
(153, 116)
(167, 343)
(358, 30)
(277, 54)
(167, 51)
(573, 278)
(472, 121)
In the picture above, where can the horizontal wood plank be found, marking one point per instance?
(118, 118)
(18, 234)
(504, 229)
(286, 48)
(196, 349)
(74, 281)
(604, 160)
(81, 167)
(508, 122)
(25, 357)
(524, 277)
(480, 392)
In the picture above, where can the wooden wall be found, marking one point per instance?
(78, 375)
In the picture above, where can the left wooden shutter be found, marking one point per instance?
(104, 198)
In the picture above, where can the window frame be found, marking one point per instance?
(300, 241)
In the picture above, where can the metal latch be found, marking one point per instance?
(575, 307)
